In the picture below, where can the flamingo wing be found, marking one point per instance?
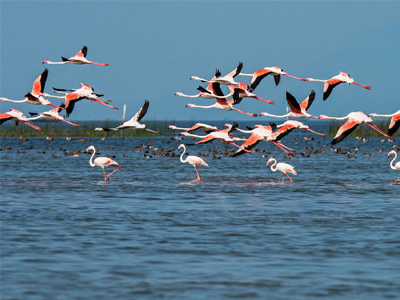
(306, 103)
(5, 117)
(38, 85)
(345, 130)
(283, 131)
(257, 77)
(286, 168)
(293, 104)
(328, 87)
(249, 144)
(82, 52)
(394, 124)
(141, 113)
(196, 161)
(235, 72)
(209, 138)
(277, 79)
(70, 100)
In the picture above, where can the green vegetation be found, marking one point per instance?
(362, 130)
(61, 129)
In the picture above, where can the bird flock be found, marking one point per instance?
(238, 90)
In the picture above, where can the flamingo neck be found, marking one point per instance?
(274, 165)
(15, 101)
(392, 162)
(200, 106)
(183, 153)
(91, 158)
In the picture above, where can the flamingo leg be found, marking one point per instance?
(302, 79)
(277, 144)
(246, 113)
(289, 177)
(283, 177)
(105, 177)
(248, 151)
(198, 176)
(373, 126)
(263, 100)
(55, 106)
(321, 134)
(98, 64)
(31, 125)
(108, 177)
(101, 102)
(364, 86)
(70, 123)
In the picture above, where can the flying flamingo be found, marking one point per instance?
(17, 116)
(397, 165)
(283, 167)
(34, 97)
(394, 122)
(193, 160)
(133, 123)
(258, 134)
(52, 115)
(342, 77)
(102, 162)
(85, 92)
(78, 59)
(222, 104)
(240, 91)
(296, 110)
(226, 80)
(198, 126)
(220, 135)
(287, 127)
(259, 75)
(354, 119)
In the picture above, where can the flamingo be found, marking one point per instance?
(133, 123)
(219, 135)
(394, 122)
(397, 165)
(198, 126)
(34, 97)
(17, 116)
(283, 167)
(240, 91)
(258, 134)
(102, 162)
(296, 110)
(259, 75)
(226, 80)
(222, 104)
(78, 59)
(85, 92)
(52, 115)
(342, 77)
(354, 119)
(193, 160)
(287, 127)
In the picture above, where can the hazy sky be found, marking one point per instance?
(154, 47)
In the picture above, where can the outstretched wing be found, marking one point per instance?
(306, 103)
(293, 104)
(82, 52)
(141, 113)
(38, 85)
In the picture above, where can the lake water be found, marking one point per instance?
(241, 233)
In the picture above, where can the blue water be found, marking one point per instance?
(150, 233)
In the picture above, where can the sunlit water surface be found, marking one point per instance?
(150, 233)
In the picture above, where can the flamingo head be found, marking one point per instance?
(90, 148)
(98, 129)
(171, 126)
(189, 105)
(178, 94)
(323, 117)
(391, 152)
(309, 79)
(45, 62)
(268, 162)
(372, 115)
(181, 146)
(264, 114)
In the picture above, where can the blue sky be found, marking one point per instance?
(154, 47)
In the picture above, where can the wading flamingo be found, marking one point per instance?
(78, 59)
(17, 116)
(133, 123)
(354, 119)
(102, 162)
(342, 77)
(394, 122)
(283, 167)
(52, 115)
(193, 160)
(397, 165)
(296, 110)
(259, 75)
(226, 80)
